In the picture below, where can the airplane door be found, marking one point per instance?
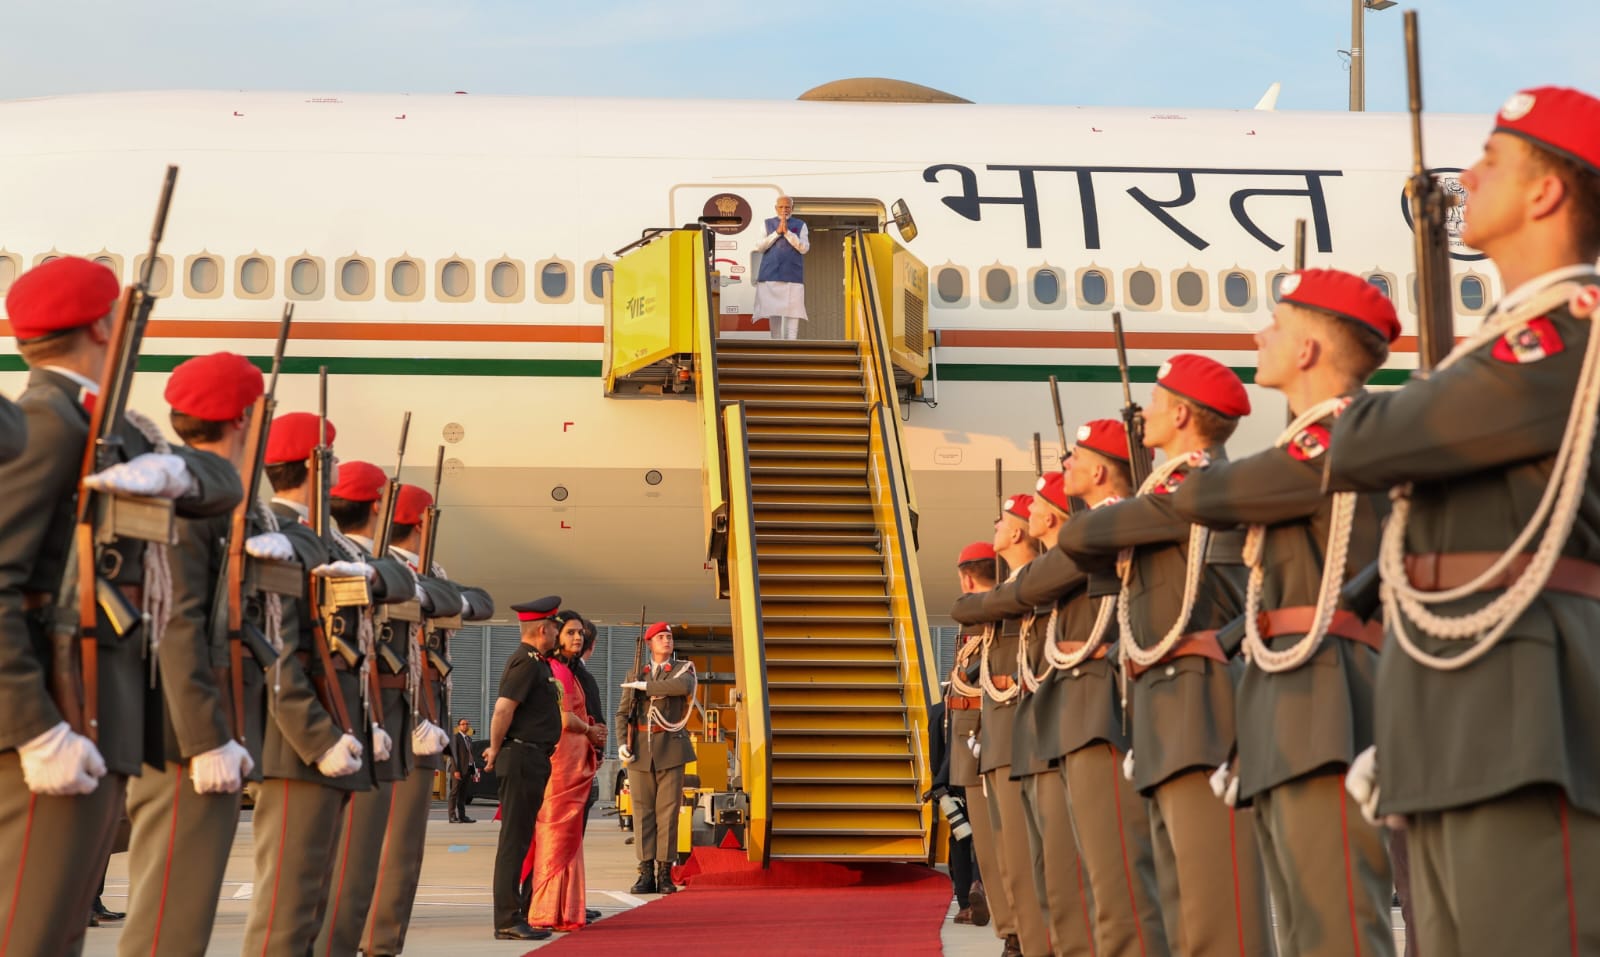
(750, 204)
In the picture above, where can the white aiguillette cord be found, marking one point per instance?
(1199, 538)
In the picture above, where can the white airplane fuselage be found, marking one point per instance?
(547, 489)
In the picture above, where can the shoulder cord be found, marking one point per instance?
(655, 716)
(964, 654)
(272, 602)
(1097, 636)
(1559, 505)
(985, 680)
(157, 561)
(1199, 538)
(1025, 673)
(1334, 560)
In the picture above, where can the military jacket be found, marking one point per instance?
(960, 725)
(1477, 439)
(1320, 715)
(1183, 710)
(669, 689)
(13, 430)
(445, 600)
(997, 724)
(37, 512)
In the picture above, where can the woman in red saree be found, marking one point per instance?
(555, 858)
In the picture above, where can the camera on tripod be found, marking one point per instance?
(955, 811)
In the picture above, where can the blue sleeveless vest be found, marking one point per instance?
(781, 262)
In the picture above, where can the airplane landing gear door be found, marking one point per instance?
(744, 208)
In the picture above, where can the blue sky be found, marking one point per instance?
(1165, 53)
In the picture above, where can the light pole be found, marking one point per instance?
(1358, 70)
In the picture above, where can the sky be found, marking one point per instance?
(1140, 53)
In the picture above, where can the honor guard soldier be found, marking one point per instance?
(1304, 704)
(1172, 601)
(355, 502)
(975, 571)
(318, 742)
(523, 733)
(185, 806)
(13, 430)
(61, 792)
(997, 677)
(1034, 757)
(652, 722)
(1488, 728)
(444, 603)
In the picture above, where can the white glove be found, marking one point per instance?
(428, 738)
(974, 745)
(635, 685)
(153, 474)
(221, 770)
(625, 753)
(1127, 765)
(346, 570)
(423, 599)
(269, 545)
(61, 762)
(341, 759)
(382, 744)
(1361, 781)
(1225, 785)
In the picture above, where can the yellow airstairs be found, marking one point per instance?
(812, 522)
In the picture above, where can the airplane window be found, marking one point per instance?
(405, 279)
(304, 277)
(505, 280)
(1094, 288)
(160, 273)
(997, 285)
(1046, 287)
(1381, 283)
(46, 259)
(1191, 288)
(8, 272)
(1277, 286)
(597, 279)
(203, 275)
(1142, 288)
(355, 278)
(1472, 293)
(254, 276)
(553, 280)
(455, 279)
(1236, 289)
(107, 262)
(951, 284)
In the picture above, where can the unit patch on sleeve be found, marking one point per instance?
(1310, 443)
(1530, 343)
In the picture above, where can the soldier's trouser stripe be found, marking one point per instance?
(344, 867)
(1238, 895)
(22, 867)
(1349, 875)
(166, 871)
(1566, 867)
(1122, 841)
(383, 856)
(277, 873)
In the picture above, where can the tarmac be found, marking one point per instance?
(453, 912)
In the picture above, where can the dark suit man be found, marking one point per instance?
(464, 770)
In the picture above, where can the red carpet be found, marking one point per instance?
(732, 907)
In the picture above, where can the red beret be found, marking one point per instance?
(217, 387)
(1052, 488)
(976, 552)
(293, 437)
(658, 628)
(1344, 295)
(359, 482)
(1019, 505)
(1565, 122)
(410, 504)
(1206, 382)
(1107, 436)
(63, 294)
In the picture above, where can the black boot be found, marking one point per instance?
(646, 884)
(664, 878)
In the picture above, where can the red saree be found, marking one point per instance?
(555, 858)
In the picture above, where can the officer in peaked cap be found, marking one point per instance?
(522, 735)
(1488, 733)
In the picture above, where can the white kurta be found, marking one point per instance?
(775, 299)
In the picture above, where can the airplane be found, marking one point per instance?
(447, 255)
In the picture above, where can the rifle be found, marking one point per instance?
(638, 675)
(1061, 428)
(233, 579)
(391, 493)
(1132, 415)
(1038, 458)
(999, 514)
(324, 593)
(404, 611)
(430, 658)
(1436, 334)
(1299, 245)
(101, 521)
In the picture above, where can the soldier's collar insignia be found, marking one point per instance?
(1534, 340)
(1311, 442)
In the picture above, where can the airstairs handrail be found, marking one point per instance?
(880, 369)
(714, 470)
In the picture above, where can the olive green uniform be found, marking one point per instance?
(965, 722)
(655, 775)
(1495, 765)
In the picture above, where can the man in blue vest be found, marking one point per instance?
(780, 283)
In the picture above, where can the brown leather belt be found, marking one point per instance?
(960, 702)
(652, 728)
(339, 663)
(1298, 620)
(35, 600)
(1199, 644)
(1438, 571)
(391, 682)
(1073, 647)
